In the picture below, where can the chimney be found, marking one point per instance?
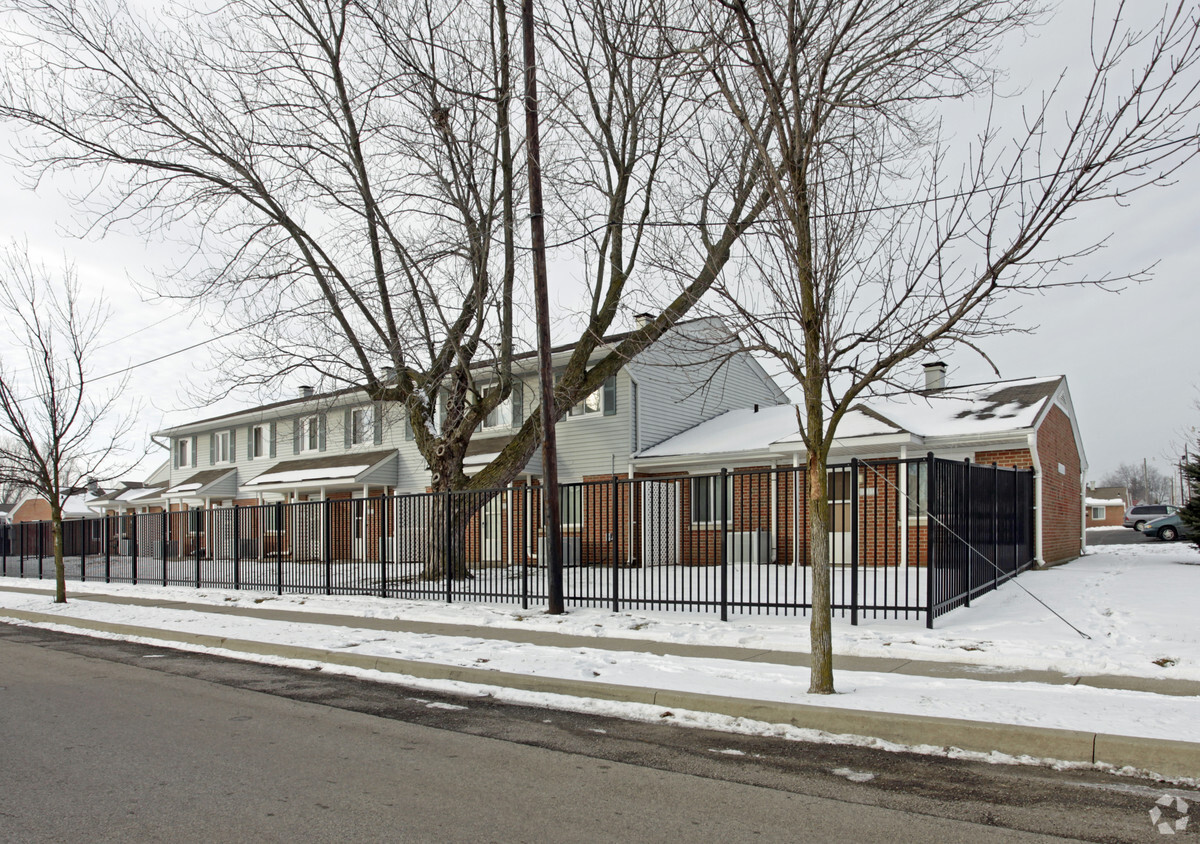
(93, 487)
(389, 374)
(642, 320)
(935, 376)
(305, 391)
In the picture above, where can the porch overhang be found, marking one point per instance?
(337, 472)
(202, 486)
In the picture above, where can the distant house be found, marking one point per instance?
(1026, 424)
(1106, 506)
(30, 507)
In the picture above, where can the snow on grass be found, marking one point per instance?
(1137, 602)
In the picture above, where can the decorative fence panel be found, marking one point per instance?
(906, 539)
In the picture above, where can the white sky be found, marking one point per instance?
(1130, 357)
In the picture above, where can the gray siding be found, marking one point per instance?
(681, 383)
(674, 397)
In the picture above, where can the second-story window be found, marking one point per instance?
(501, 415)
(183, 453)
(310, 433)
(362, 425)
(222, 448)
(258, 441)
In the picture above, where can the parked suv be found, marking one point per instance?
(1137, 516)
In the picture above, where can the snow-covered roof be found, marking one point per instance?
(975, 409)
(75, 506)
(979, 409)
(1104, 502)
(746, 429)
(340, 468)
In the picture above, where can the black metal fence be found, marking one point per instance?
(906, 539)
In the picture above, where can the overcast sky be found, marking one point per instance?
(1130, 357)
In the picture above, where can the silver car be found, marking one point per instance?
(1137, 515)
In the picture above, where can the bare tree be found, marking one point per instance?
(57, 435)
(351, 170)
(1145, 483)
(869, 254)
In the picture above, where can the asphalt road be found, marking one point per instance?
(112, 741)
(1124, 536)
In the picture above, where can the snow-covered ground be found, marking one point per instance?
(1136, 602)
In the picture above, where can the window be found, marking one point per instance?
(1098, 514)
(604, 400)
(592, 404)
(183, 453)
(258, 442)
(222, 448)
(501, 415)
(918, 490)
(310, 433)
(570, 503)
(362, 425)
(706, 500)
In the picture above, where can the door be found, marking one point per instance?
(660, 523)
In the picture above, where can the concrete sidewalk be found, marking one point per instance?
(1169, 758)
(919, 668)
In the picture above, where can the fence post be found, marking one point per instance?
(327, 545)
(284, 531)
(107, 549)
(526, 532)
(381, 522)
(967, 529)
(615, 521)
(724, 544)
(853, 540)
(237, 548)
(166, 545)
(1016, 516)
(931, 498)
(83, 540)
(995, 525)
(448, 555)
(41, 548)
(196, 540)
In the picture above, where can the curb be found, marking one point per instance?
(1167, 758)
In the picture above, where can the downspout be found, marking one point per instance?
(1038, 527)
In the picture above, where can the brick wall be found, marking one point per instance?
(32, 510)
(1062, 492)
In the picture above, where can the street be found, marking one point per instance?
(113, 741)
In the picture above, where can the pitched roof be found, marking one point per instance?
(976, 409)
(607, 340)
(332, 467)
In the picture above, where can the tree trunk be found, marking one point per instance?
(60, 571)
(820, 625)
(451, 514)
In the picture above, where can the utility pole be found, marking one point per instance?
(553, 516)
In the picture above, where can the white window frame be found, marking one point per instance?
(1098, 514)
(183, 453)
(585, 408)
(917, 505)
(310, 433)
(711, 485)
(574, 494)
(222, 447)
(259, 446)
(362, 425)
(500, 417)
